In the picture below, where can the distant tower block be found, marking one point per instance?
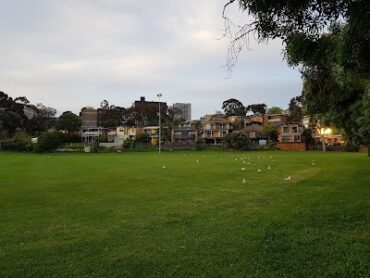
(184, 112)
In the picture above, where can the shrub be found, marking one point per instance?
(238, 141)
(142, 138)
(200, 145)
(128, 144)
(49, 141)
(71, 138)
(20, 143)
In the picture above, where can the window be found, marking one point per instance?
(285, 138)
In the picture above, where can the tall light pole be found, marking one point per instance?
(159, 110)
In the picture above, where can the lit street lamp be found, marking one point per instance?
(159, 110)
(323, 132)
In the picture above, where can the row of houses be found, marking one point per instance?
(213, 128)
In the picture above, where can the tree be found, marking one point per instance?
(236, 140)
(172, 122)
(270, 131)
(49, 141)
(12, 116)
(233, 107)
(198, 129)
(143, 138)
(104, 104)
(238, 124)
(68, 121)
(330, 42)
(257, 109)
(295, 109)
(307, 138)
(362, 134)
(274, 110)
(285, 18)
(42, 121)
(112, 116)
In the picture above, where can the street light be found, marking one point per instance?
(159, 109)
(323, 132)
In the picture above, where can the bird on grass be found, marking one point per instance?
(259, 171)
(243, 169)
(268, 167)
(197, 161)
(287, 178)
(244, 181)
(164, 167)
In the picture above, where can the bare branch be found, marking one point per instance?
(238, 38)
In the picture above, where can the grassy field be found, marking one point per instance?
(185, 214)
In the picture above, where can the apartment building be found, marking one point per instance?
(183, 111)
(214, 128)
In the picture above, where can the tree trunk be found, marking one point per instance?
(323, 144)
(368, 150)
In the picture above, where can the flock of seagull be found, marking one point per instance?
(247, 161)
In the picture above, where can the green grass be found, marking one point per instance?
(122, 214)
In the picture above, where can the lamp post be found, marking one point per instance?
(159, 120)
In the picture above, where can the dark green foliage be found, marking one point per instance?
(274, 110)
(12, 116)
(236, 140)
(200, 145)
(330, 41)
(42, 121)
(128, 144)
(20, 143)
(142, 138)
(233, 107)
(271, 132)
(111, 116)
(307, 137)
(295, 110)
(238, 124)
(49, 141)
(68, 121)
(283, 18)
(257, 109)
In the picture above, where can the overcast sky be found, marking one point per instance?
(74, 53)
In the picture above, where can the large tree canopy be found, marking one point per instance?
(68, 121)
(42, 121)
(329, 40)
(233, 107)
(12, 116)
(257, 109)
